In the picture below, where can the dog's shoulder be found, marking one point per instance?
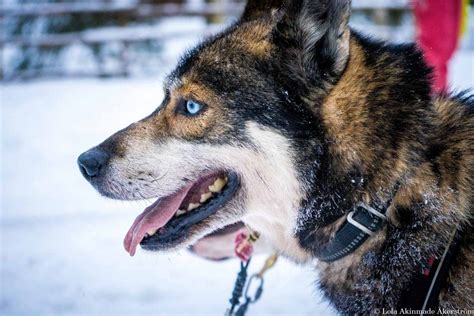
(452, 147)
(455, 115)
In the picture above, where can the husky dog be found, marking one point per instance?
(290, 121)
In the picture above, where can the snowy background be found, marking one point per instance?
(61, 243)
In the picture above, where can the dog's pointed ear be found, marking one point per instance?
(255, 9)
(313, 36)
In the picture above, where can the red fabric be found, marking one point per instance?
(438, 23)
(427, 269)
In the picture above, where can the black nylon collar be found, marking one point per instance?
(362, 222)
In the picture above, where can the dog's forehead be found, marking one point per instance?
(227, 54)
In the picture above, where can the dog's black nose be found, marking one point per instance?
(92, 161)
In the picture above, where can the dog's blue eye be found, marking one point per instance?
(192, 107)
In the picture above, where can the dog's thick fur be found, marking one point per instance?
(315, 118)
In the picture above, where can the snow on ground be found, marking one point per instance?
(61, 243)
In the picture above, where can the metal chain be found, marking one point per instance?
(238, 287)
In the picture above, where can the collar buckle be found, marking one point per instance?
(359, 225)
(372, 210)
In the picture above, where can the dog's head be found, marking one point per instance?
(228, 141)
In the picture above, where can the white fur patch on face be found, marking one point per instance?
(270, 190)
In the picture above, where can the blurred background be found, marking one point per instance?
(74, 72)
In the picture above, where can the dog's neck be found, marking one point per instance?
(376, 123)
(356, 163)
(342, 166)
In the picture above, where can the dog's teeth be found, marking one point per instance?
(151, 232)
(217, 185)
(205, 197)
(180, 212)
(192, 206)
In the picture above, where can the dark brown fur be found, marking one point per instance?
(436, 197)
(379, 119)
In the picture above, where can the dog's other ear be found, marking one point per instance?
(313, 36)
(259, 8)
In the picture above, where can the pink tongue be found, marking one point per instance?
(154, 217)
